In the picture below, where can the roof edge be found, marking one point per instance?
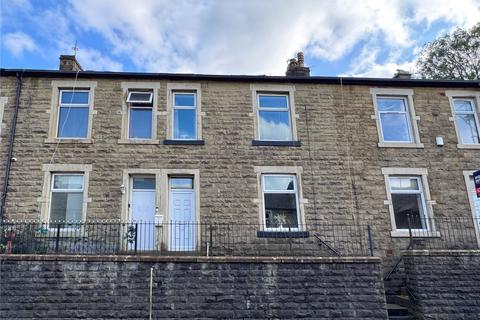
(241, 78)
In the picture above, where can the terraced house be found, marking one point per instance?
(219, 165)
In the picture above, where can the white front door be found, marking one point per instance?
(141, 233)
(182, 221)
(475, 206)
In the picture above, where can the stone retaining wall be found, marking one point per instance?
(445, 284)
(112, 287)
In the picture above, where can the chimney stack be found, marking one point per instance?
(296, 67)
(402, 74)
(69, 63)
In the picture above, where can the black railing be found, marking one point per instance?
(443, 233)
(182, 238)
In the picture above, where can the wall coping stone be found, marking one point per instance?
(452, 253)
(188, 259)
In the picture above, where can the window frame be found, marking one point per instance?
(184, 87)
(294, 191)
(412, 118)
(130, 92)
(474, 96)
(71, 105)
(57, 87)
(406, 113)
(143, 87)
(419, 191)
(53, 190)
(422, 175)
(272, 89)
(136, 105)
(49, 171)
(259, 109)
(175, 107)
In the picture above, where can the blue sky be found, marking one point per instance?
(352, 38)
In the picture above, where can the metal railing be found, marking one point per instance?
(452, 233)
(184, 238)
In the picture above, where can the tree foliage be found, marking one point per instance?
(453, 56)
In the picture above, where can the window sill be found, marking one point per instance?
(283, 234)
(137, 141)
(71, 141)
(400, 145)
(265, 143)
(184, 142)
(468, 146)
(415, 234)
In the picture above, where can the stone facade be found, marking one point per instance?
(55, 287)
(339, 156)
(445, 284)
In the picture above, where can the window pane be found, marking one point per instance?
(273, 101)
(396, 105)
(279, 183)
(467, 128)
(140, 97)
(181, 183)
(140, 126)
(281, 210)
(73, 122)
(275, 125)
(74, 97)
(143, 183)
(463, 105)
(68, 182)
(185, 99)
(66, 206)
(184, 124)
(405, 206)
(395, 127)
(403, 184)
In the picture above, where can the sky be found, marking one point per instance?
(369, 38)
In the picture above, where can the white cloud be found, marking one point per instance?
(18, 43)
(244, 37)
(257, 37)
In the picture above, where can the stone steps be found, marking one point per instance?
(397, 312)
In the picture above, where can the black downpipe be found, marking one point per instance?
(11, 137)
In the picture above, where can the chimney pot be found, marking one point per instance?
(402, 74)
(69, 63)
(296, 67)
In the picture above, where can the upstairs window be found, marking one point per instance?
(140, 115)
(66, 197)
(280, 201)
(395, 120)
(184, 115)
(466, 119)
(73, 114)
(274, 123)
(408, 203)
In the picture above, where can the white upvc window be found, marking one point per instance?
(465, 110)
(395, 121)
(184, 120)
(408, 203)
(466, 119)
(280, 202)
(274, 117)
(140, 97)
(73, 114)
(66, 199)
(140, 115)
